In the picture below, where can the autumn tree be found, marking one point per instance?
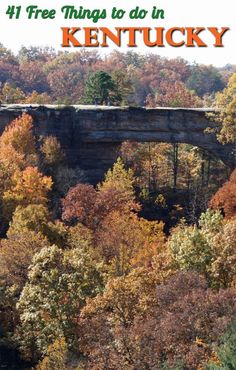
(126, 241)
(11, 94)
(65, 178)
(9, 70)
(7, 56)
(207, 248)
(17, 151)
(33, 76)
(78, 204)
(37, 98)
(37, 218)
(16, 254)
(33, 217)
(189, 166)
(79, 235)
(124, 85)
(105, 321)
(223, 266)
(176, 95)
(59, 283)
(66, 82)
(52, 152)
(226, 102)
(86, 204)
(56, 356)
(19, 135)
(17, 145)
(120, 178)
(151, 164)
(225, 198)
(191, 250)
(124, 325)
(28, 187)
(35, 53)
(185, 299)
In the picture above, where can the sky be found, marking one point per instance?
(182, 13)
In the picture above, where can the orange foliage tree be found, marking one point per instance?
(17, 148)
(138, 325)
(225, 197)
(19, 135)
(90, 206)
(126, 241)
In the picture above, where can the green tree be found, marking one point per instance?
(100, 89)
(226, 352)
(208, 248)
(205, 79)
(190, 249)
(124, 85)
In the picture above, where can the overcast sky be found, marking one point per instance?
(181, 13)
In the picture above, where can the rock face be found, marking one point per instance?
(91, 136)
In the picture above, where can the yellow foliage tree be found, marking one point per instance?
(126, 241)
(52, 151)
(28, 187)
(17, 148)
(11, 94)
(226, 101)
(56, 356)
(119, 177)
(36, 98)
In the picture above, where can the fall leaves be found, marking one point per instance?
(23, 184)
(226, 101)
(225, 197)
(88, 281)
(112, 276)
(44, 76)
(124, 326)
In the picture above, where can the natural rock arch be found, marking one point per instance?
(91, 135)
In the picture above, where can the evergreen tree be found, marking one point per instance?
(101, 89)
(226, 352)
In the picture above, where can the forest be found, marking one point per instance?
(137, 272)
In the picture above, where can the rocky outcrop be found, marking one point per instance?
(91, 135)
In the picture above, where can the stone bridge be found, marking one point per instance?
(91, 135)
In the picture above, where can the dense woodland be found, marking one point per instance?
(139, 271)
(42, 75)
